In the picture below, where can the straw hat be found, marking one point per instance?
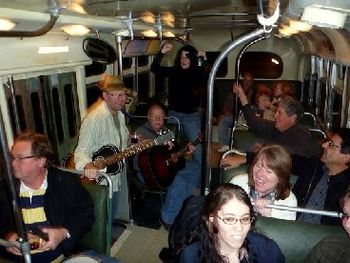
(111, 83)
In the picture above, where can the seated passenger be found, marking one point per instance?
(262, 103)
(268, 182)
(281, 89)
(285, 130)
(227, 234)
(334, 249)
(184, 183)
(321, 182)
(52, 202)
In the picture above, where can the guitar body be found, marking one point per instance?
(157, 170)
(109, 150)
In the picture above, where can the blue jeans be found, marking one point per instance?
(181, 188)
(101, 257)
(224, 125)
(188, 178)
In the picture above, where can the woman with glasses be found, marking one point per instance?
(268, 182)
(227, 235)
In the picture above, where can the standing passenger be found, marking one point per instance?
(226, 118)
(187, 82)
(105, 125)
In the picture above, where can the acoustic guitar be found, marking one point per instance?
(110, 158)
(159, 165)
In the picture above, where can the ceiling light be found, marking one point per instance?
(275, 61)
(300, 25)
(149, 33)
(6, 25)
(323, 17)
(50, 50)
(287, 31)
(168, 34)
(75, 30)
(148, 17)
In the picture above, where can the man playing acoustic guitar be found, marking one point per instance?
(159, 165)
(104, 125)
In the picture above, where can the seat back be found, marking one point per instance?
(295, 239)
(245, 140)
(99, 238)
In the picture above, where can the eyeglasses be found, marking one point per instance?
(332, 144)
(118, 95)
(20, 158)
(230, 220)
(345, 216)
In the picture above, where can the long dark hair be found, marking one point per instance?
(215, 200)
(192, 55)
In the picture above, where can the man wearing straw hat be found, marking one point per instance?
(105, 125)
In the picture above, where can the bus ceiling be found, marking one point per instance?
(128, 18)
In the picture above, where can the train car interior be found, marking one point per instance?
(55, 52)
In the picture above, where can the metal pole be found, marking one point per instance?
(119, 40)
(306, 210)
(208, 132)
(24, 244)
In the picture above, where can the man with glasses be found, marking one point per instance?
(334, 249)
(105, 125)
(321, 182)
(53, 203)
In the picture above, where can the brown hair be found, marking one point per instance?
(41, 146)
(279, 161)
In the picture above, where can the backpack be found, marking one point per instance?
(186, 228)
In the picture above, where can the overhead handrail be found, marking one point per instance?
(306, 210)
(54, 10)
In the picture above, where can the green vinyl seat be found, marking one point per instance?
(296, 239)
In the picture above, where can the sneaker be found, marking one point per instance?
(223, 148)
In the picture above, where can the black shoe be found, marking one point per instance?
(165, 225)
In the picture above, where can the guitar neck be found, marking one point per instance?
(132, 150)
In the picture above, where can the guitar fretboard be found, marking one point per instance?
(101, 163)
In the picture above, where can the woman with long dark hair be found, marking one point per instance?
(227, 234)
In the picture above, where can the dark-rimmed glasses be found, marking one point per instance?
(345, 216)
(332, 144)
(20, 158)
(230, 220)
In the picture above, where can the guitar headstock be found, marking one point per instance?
(164, 137)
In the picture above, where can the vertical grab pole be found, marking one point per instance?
(24, 244)
(208, 132)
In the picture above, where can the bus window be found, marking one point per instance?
(37, 112)
(70, 109)
(265, 65)
(143, 91)
(222, 70)
(127, 63)
(142, 61)
(57, 114)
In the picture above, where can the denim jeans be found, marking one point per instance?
(181, 188)
(188, 178)
(225, 124)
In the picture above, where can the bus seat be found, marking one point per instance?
(100, 236)
(308, 120)
(245, 140)
(295, 239)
